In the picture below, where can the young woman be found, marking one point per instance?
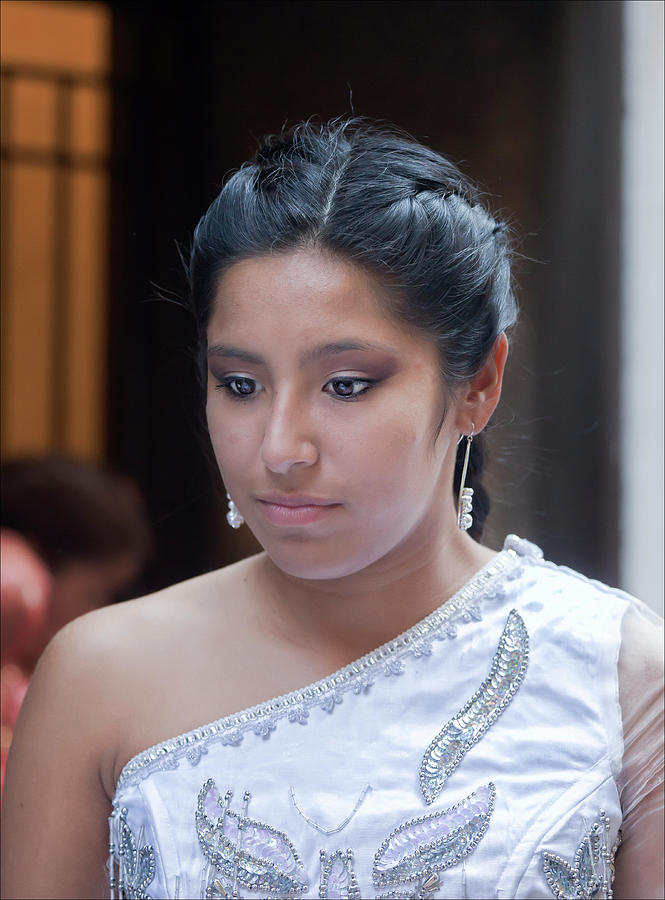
(395, 710)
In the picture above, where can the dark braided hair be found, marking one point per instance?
(376, 197)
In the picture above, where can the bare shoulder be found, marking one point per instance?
(160, 632)
(109, 684)
(55, 801)
(123, 635)
(164, 660)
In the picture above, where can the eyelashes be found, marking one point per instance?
(347, 389)
(238, 387)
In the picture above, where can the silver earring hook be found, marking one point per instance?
(468, 436)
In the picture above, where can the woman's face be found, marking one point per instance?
(323, 411)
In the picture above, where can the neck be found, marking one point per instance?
(341, 619)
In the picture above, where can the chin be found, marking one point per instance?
(314, 560)
(323, 560)
(312, 569)
(327, 556)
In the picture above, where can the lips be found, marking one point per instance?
(295, 509)
(295, 500)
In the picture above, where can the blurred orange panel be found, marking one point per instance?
(90, 120)
(32, 114)
(54, 224)
(87, 316)
(27, 314)
(72, 36)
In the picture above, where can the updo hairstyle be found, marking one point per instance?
(373, 196)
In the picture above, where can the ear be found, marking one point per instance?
(480, 396)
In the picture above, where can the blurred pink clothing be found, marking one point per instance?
(25, 588)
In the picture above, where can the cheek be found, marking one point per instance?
(387, 457)
(231, 441)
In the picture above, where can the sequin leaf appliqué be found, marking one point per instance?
(429, 844)
(451, 744)
(136, 862)
(338, 879)
(592, 871)
(243, 850)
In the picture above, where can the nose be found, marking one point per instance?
(288, 439)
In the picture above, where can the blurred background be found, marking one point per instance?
(119, 121)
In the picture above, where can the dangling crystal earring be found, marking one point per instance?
(233, 516)
(465, 502)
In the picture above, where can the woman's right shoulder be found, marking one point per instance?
(126, 631)
(108, 684)
(106, 653)
(117, 675)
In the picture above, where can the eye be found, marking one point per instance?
(239, 386)
(348, 388)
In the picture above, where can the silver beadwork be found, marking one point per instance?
(244, 851)
(592, 872)
(342, 825)
(338, 878)
(429, 844)
(135, 860)
(451, 744)
(423, 888)
(233, 516)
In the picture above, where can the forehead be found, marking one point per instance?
(304, 292)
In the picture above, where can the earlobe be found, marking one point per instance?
(483, 391)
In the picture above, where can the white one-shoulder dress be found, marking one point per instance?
(479, 754)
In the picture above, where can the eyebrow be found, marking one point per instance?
(235, 353)
(314, 355)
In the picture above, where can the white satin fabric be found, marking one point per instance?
(337, 766)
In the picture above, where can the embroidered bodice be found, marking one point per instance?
(476, 755)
